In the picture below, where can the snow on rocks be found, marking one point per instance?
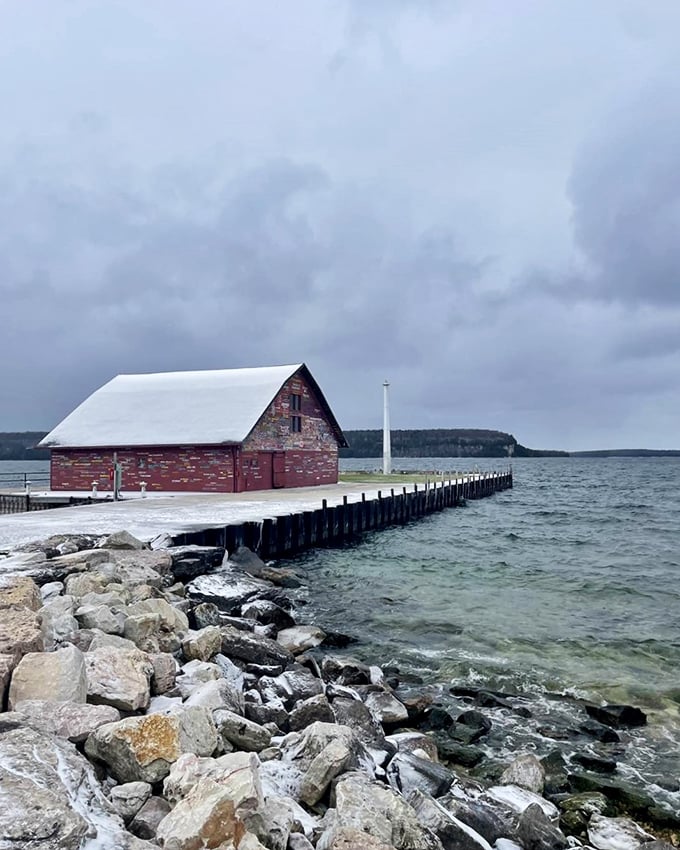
(238, 729)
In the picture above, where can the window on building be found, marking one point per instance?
(296, 424)
(295, 401)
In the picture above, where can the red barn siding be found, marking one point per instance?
(309, 456)
(206, 469)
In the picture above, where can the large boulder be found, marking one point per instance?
(617, 715)
(238, 770)
(232, 588)
(71, 720)
(375, 810)
(119, 677)
(253, 648)
(143, 749)
(58, 676)
(453, 833)
(49, 796)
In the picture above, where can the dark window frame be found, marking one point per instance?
(295, 401)
(296, 424)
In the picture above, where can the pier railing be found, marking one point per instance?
(275, 537)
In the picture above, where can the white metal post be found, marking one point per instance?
(387, 448)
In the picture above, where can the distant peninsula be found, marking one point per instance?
(441, 442)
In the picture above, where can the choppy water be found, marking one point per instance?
(566, 584)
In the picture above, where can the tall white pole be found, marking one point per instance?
(387, 448)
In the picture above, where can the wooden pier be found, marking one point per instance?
(288, 534)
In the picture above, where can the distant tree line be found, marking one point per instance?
(440, 442)
(18, 445)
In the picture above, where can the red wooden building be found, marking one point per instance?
(222, 431)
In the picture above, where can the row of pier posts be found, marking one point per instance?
(288, 534)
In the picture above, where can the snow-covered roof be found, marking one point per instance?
(176, 408)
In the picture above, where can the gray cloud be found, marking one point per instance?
(481, 207)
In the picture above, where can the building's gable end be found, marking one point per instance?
(276, 429)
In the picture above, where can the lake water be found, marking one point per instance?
(567, 584)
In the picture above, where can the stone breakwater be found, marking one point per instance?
(168, 697)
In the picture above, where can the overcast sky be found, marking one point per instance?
(477, 199)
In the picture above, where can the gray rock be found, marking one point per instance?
(618, 716)
(145, 822)
(345, 671)
(242, 733)
(19, 591)
(230, 589)
(616, 834)
(172, 619)
(20, 631)
(247, 560)
(309, 711)
(143, 630)
(217, 694)
(453, 833)
(143, 749)
(196, 673)
(57, 621)
(525, 771)
(203, 644)
(120, 540)
(59, 676)
(118, 677)
(206, 614)
(375, 810)
(482, 818)
(49, 795)
(252, 648)
(297, 639)
(536, 832)
(414, 742)
(71, 720)
(268, 613)
(127, 799)
(108, 620)
(519, 799)
(407, 772)
(290, 687)
(100, 640)
(322, 752)
(386, 707)
(164, 672)
(355, 714)
(191, 561)
(50, 591)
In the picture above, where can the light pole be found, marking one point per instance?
(387, 448)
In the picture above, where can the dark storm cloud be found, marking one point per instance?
(480, 205)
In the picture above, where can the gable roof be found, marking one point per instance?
(179, 408)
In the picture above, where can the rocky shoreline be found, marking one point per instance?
(166, 696)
